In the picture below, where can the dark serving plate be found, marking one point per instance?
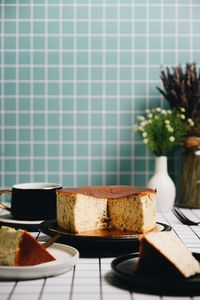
(124, 268)
(98, 243)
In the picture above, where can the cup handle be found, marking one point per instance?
(2, 205)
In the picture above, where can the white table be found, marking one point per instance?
(92, 278)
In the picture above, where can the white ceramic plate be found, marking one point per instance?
(66, 258)
(7, 218)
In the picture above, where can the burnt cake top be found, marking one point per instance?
(110, 192)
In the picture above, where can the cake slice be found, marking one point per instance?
(163, 253)
(19, 248)
(125, 208)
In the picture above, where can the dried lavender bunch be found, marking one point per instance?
(181, 88)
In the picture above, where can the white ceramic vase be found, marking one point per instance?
(164, 185)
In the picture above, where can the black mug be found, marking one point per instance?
(33, 201)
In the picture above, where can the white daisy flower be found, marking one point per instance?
(144, 134)
(143, 123)
(182, 117)
(145, 141)
(190, 121)
(171, 138)
(141, 118)
(169, 128)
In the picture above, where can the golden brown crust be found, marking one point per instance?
(108, 192)
(31, 252)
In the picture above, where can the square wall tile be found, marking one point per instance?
(75, 77)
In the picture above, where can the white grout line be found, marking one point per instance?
(46, 168)
(60, 99)
(2, 105)
(17, 128)
(75, 67)
(31, 102)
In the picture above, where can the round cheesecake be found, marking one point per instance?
(125, 208)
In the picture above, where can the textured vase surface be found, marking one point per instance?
(188, 194)
(164, 185)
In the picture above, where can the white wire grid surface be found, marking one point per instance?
(89, 279)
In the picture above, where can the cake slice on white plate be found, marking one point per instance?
(20, 248)
(163, 253)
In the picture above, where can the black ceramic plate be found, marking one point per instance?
(98, 243)
(124, 266)
(51, 228)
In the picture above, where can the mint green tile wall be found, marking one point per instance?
(74, 75)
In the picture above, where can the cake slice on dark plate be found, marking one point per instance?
(163, 253)
(20, 248)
